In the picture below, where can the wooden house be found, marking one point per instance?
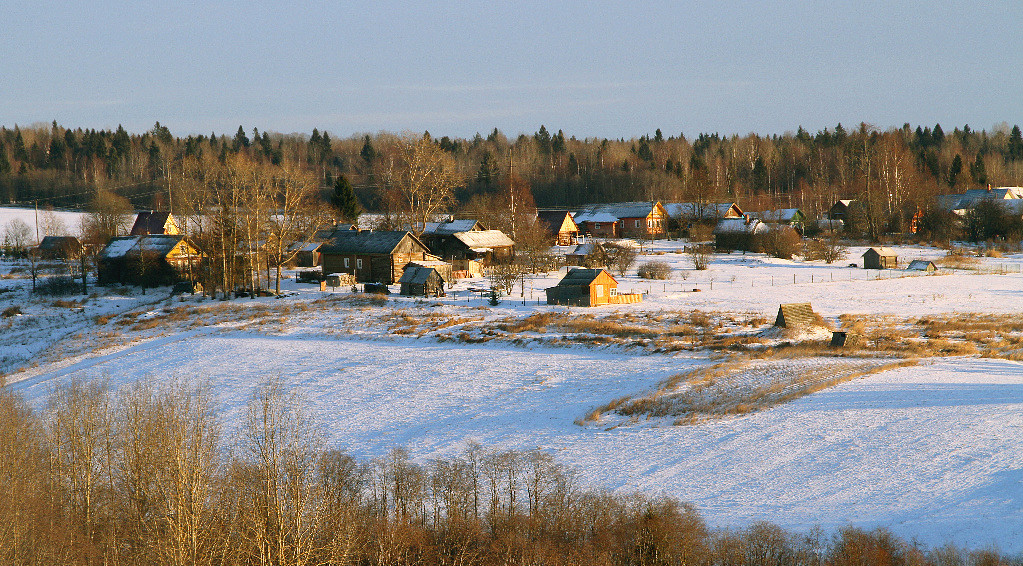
(922, 265)
(587, 288)
(421, 281)
(59, 248)
(792, 217)
(598, 224)
(682, 215)
(160, 259)
(740, 234)
(880, 258)
(149, 223)
(646, 219)
(307, 254)
(372, 256)
(559, 225)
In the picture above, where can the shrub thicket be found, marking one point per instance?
(654, 270)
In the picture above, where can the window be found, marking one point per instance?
(600, 290)
(358, 263)
(637, 224)
(596, 225)
(346, 263)
(613, 291)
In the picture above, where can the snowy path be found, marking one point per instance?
(931, 451)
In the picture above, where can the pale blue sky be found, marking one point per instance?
(607, 69)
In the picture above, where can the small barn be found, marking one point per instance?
(307, 255)
(445, 269)
(59, 247)
(922, 265)
(421, 281)
(880, 258)
(796, 315)
(148, 260)
(486, 246)
(587, 288)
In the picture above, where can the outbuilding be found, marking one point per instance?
(588, 288)
(922, 265)
(880, 258)
(59, 247)
(372, 256)
(421, 281)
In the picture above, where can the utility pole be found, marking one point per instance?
(37, 222)
(511, 190)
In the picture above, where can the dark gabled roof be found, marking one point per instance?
(418, 274)
(150, 222)
(580, 276)
(328, 232)
(553, 220)
(367, 242)
(59, 242)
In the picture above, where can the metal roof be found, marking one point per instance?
(450, 227)
(366, 242)
(125, 246)
(484, 239)
(418, 274)
(595, 217)
(619, 209)
(697, 210)
(581, 276)
(741, 225)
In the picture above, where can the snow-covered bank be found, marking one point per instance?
(930, 451)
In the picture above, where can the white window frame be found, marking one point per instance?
(613, 291)
(346, 263)
(596, 225)
(638, 224)
(358, 263)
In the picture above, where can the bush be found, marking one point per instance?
(699, 254)
(654, 270)
(828, 251)
(57, 286)
(781, 242)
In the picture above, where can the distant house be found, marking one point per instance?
(922, 265)
(372, 256)
(598, 224)
(307, 254)
(451, 226)
(738, 234)
(421, 281)
(154, 223)
(880, 258)
(587, 288)
(59, 247)
(840, 210)
(682, 215)
(559, 225)
(785, 216)
(160, 259)
(646, 219)
(486, 246)
(326, 232)
(960, 203)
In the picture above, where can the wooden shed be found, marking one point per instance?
(153, 222)
(559, 225)
(159, 259)
(741, 233)
(59, 247)
(421, 281)
(796, 315)
(922, 265)
(880, 258)
(587, 288)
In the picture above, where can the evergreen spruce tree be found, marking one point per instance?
(368, 153)
(1015, 149)
(954, 170)
(978, 171)
(543, 140)
(240, 140)
(5, 164)
(345, 201)
(20, 153)
(938, 136)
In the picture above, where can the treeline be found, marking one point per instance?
(147, 476)
(896, 172)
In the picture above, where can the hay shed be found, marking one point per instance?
(842, 339)
(795, 315)
(922, 265)
(421, 281)
(880, 258)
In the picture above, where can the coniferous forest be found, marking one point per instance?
(895, 172)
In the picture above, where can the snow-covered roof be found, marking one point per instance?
(780, 215)
(595, 217)
(450, 227)
(484, 239)
(418, 274)
(618, 209)
(920, 265)
(584, 249)
(701, 211)
(366, 242)
(124, 246)
(741, 225)
(882, 251)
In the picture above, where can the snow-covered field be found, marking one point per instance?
(931, 451)
(67, 222)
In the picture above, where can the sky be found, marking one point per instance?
(592, 69)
